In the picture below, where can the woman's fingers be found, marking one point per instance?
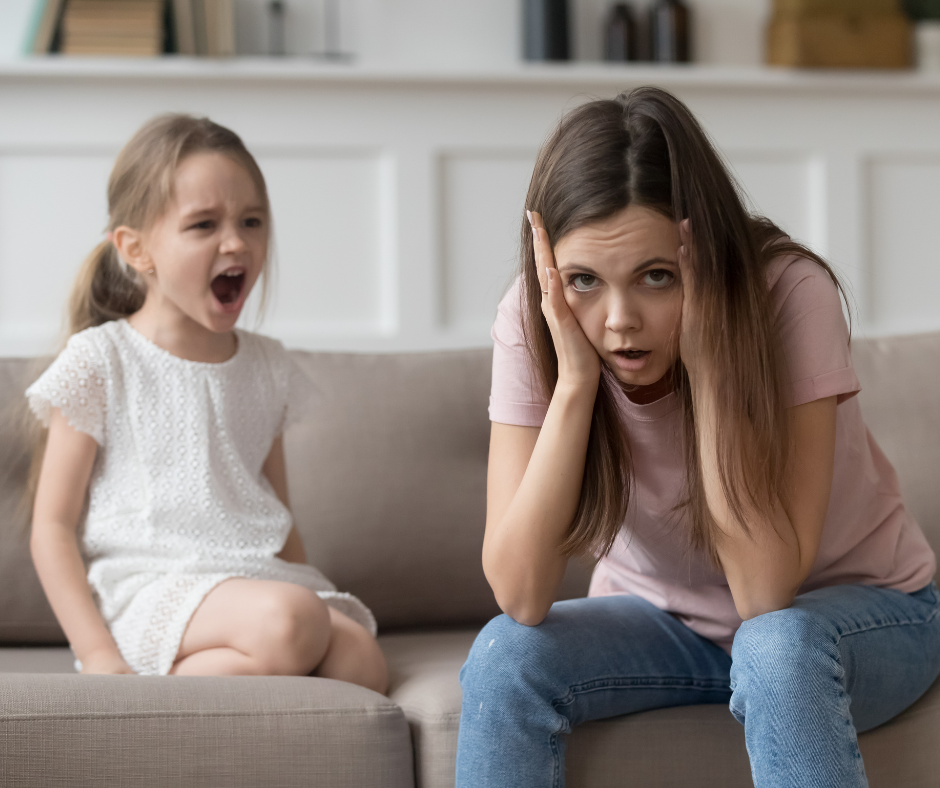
(544, 258)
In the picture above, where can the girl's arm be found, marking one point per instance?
(275, 469)
(766, 564)
(534, 474)
(60, 497)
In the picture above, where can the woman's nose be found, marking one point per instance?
(622, 316)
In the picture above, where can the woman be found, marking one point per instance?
(673, 392)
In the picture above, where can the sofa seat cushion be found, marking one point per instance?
(89, 731)
(668, 748)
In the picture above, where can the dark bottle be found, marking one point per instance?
(545, 29)
(669, 32)
(620, 34)
(276, 28)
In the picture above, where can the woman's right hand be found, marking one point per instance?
(578, 362)
(105, 663)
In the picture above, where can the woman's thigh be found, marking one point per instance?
(888, 642)
(599, 657)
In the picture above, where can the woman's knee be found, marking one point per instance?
(779, 656)
(293, 631)
(507, 654)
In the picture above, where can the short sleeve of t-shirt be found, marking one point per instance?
(75, 383)
(516, 396)
(813, 332)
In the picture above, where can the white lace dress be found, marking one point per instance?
(177, 501)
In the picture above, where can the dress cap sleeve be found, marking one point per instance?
(302, 394)
(76, 384)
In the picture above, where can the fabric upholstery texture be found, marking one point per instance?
(25, 615)
(900, 379)
(90, 731)
(388, 483)
(388, 486)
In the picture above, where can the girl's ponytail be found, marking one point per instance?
(104, 290)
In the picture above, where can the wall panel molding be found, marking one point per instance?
(397, 199)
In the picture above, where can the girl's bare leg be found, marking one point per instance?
(353, 655)
(255, 627)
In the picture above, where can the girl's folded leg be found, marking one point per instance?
(255, 627)
(525, 687)
(841, 659)
(353, 655)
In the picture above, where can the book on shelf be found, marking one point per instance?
(113, 27)
(134, 27)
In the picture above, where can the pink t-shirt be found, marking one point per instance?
(869, 537)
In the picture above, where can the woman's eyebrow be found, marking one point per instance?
(652, 262)
(577, 267)
(641, 267)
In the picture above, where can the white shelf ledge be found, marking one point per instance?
(257, 69)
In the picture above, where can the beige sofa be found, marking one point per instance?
(388, 485)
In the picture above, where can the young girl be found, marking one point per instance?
(673, 391)
(162, 533)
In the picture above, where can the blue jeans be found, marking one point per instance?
(802, 681)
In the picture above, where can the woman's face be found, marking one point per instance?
(621, 280)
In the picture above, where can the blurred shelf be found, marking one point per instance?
(575, 75)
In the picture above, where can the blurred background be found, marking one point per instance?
(398, 138)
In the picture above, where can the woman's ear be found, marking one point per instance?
(130, 246)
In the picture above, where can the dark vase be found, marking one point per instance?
(620, 35)
(669, 32)
(545, 29)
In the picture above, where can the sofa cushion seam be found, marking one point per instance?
(380, 712)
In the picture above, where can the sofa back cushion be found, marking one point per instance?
(388, 483)
(25, 615)
(388, 476)
(900, 400)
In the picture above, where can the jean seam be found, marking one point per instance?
(885, 625)
(702, 685)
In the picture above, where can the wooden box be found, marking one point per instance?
(839, 34)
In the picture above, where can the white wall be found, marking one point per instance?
(398, 196)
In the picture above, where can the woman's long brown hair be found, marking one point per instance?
(646, 148)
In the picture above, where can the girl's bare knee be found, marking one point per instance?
(374, 670)
(355, 657)
(293, 632)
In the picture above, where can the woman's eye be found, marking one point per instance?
(658, 278)
(583, 282)
(254, 221)
(203, 225)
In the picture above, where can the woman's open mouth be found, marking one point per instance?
(632, 360)
(227, 287)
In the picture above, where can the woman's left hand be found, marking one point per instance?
(690, 333)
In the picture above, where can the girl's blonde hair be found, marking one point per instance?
(140, 190)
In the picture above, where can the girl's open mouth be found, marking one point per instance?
(227, 286)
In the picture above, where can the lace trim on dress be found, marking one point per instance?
(75, 385)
